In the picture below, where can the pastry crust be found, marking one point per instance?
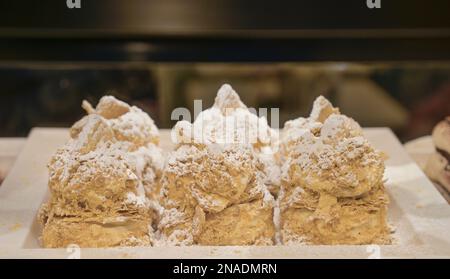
(96, 232)
(253, 227)
(322, 219)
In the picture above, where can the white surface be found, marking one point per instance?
(9, 150)
(11, 147)
(420, 149)
(419, 213)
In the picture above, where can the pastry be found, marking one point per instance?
(438, 165)
(230, 121)
(103, 179)
(332, 182)
(214, 186)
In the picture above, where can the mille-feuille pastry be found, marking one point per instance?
(213, 188)
(438, 165)
(332, 182)
(100, 180)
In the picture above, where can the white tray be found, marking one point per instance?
(419, 213)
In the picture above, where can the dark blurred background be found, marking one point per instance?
(384, 67)
(408, 97)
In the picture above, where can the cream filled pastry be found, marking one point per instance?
(214, 186)
(332, 182)
(101, 180)
(438, 165)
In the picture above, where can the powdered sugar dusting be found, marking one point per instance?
(322, 108)
(225, 157)
(135, 123)
(324, 140)
(94, 149)
(227, 122)
(227, 98)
